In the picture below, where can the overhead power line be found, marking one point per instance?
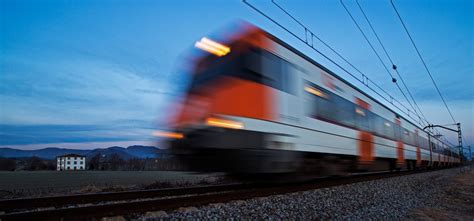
(422, 60)
(391, 61)
(381, 61)
(365, 80)
(309, 41)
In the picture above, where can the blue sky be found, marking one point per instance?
(95, 73)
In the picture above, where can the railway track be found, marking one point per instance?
(96, 206)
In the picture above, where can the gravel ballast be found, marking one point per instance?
(391, 198)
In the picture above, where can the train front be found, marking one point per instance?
(222, 125)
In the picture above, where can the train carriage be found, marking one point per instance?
(257, 105)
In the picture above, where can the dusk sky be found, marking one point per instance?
(87, 74)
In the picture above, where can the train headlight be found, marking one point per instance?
(212, 47)
(219, 122)
(168, 134)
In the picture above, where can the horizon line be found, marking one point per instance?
(81, 146)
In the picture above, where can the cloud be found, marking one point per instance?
(42, 133)
(76, 99)
(82, 89)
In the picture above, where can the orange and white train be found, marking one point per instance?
(257, 105)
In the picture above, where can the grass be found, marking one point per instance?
(42, 183)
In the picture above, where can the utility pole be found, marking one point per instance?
(470, 153)
(470, 157)
(459, 136)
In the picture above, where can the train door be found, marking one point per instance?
(291, 109)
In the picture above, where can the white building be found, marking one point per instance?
(71, 162)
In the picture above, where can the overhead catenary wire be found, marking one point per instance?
(309, 42)
(422, 60)
(365, 80)
(391, 61)
(380, 59)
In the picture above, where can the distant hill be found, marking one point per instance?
(143, 151)
(136, 151)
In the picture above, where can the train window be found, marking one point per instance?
(271, 70)
(423, 143)
(289, 76)
(264, 67)
(406, 138)
(310, 105)
(343, 111)
(212, 69)
(252, 65)
(363, 118)
(325, 108)
(328, 106)
(412, 140)
(320, 102)
(378, 125)
(383, 127)
(389, 129)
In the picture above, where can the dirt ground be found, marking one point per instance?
(456, 201)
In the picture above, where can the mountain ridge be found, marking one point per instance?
(134, 151)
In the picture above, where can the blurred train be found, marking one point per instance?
(256, 105)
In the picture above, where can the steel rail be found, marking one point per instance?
(66, 200)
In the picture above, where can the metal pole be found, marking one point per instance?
(460, 141)
(470, 157)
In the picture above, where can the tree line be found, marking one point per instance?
(97, 162)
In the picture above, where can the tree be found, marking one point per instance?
(94, 162)
(33, 163)
(50, 165)
(135, 164)
(116, 162)
(7, 164)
